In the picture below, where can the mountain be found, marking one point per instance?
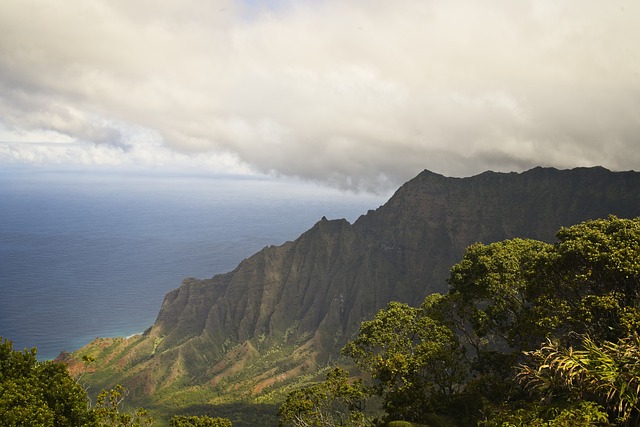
(279, 319)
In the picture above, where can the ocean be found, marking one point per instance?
(87, 254)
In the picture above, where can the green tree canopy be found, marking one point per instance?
(43, 394)
(511, 299)
(415, 360)
(522, 291)
(335, 402)
(39, 393)
(199, 421)
(108, 410)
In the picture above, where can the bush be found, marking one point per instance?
(202, 421)
(39, 393)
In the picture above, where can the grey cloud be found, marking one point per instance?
(359, 94)
(19, 110)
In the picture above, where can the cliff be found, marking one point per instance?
(282, 315)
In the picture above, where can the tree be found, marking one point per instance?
(492, 295)
(571, 414)
(44, 394)
(590, 284)
(199, 421)
(39, 393)
(415, 360)
(518, 292)
(108, 413)
(510, 297)
(336, 401)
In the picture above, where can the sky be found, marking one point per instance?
(359, 94)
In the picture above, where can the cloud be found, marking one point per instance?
(356, 93)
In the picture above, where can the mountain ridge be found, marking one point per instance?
(279, 318)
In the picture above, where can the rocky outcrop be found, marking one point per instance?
(287, 310)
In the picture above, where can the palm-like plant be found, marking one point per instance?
(608, 373)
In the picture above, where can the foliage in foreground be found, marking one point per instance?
(571, 414)
(530, 334)
(608, 374)
(43, 394)
(109, 414)
(335, 402)
(39, 394)
(199, 421)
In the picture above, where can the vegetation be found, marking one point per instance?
(530, 334)
(199, 421)
(241, 414)
(414, 359)
(39, 394)
(108, 413)
(43, 394)
(608, 374)
(336, 401)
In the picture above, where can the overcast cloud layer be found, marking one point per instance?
(359, 93)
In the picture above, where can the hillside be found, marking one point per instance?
(279, 319)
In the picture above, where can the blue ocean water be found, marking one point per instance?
(86, 254)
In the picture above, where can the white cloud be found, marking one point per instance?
(357, 93)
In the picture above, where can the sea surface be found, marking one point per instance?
(87, 254)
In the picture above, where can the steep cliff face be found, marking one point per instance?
(287, 310)
(430, 220)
